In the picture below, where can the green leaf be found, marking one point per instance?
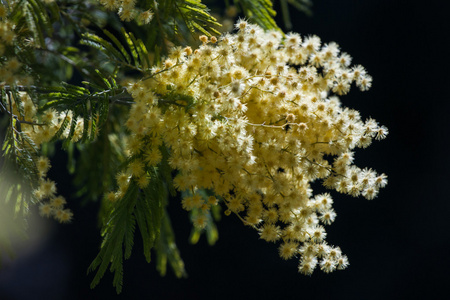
(103, 110)
(143, 56)
(118, 45)
(196, 17)
(104, 46)
(118, 233)
(131, 46)
(149, 211)
(142, 207)
(138, 59)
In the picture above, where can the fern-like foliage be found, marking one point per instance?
(131, 55)
(96, 163)
(92, 105)
(196, 17)
(144, 208)
(117, 235)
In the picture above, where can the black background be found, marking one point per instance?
(397, 244)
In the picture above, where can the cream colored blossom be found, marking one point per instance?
(255, 119)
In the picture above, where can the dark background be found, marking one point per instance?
(397, 244)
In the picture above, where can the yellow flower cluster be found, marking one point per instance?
(54, 205)
(254, 118)
(41, 129)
